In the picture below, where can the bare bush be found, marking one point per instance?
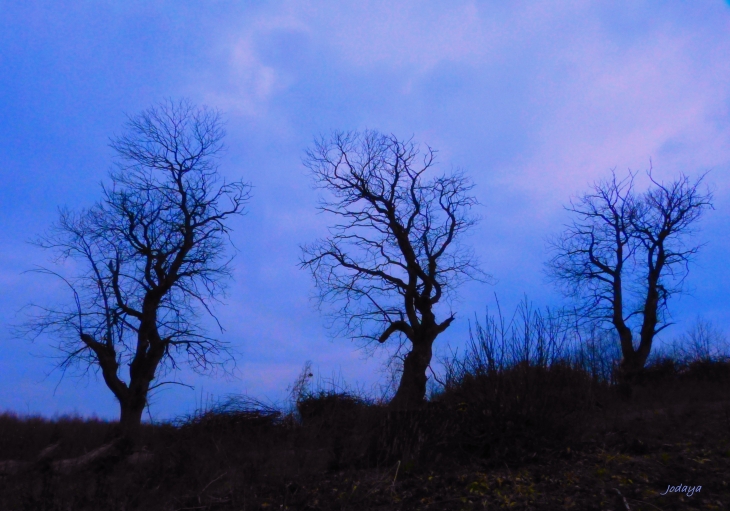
(703, 341)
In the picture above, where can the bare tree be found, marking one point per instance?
(148, 258)
(394, 251)
(626, 254)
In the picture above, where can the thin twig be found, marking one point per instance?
(626, 504)
(214, 480)
(396, 473)
(647, 503)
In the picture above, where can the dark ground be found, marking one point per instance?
(527, 438)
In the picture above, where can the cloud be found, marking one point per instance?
(654, 100)
(249, 84)
(244, 81)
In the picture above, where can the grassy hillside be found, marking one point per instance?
(520, 436)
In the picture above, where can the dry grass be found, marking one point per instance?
(520, 422)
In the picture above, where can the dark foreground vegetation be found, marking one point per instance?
(514, 431)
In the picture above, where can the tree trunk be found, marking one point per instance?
(651, 317)
(632, 364)
(634, 359)
(132, 408)
(412, 389)
(130, 418)
(150, 349)
(630, 370)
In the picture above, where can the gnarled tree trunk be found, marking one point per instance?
(412, 388)
(130, 416)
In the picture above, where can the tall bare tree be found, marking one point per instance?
(627, 253)
(394, 251)
(148, 258)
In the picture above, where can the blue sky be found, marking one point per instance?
(534, 100)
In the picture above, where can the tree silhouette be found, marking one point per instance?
(626, 254)
(148, 258)
(394, 251)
